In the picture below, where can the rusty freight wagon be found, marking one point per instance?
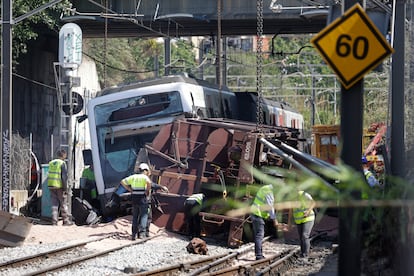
(214, 157)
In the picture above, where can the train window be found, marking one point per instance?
(293, 123)
(227, 111)
(281, 118)
(210, 106)
(265, 117)
(117, 159)
(335, 140)
(325, 140)
(273, 120)
(143, 106)
(120, 155)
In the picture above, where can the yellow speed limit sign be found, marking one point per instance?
(352, 46)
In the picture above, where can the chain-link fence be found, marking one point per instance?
(20, 162)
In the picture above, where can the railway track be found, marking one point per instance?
(226, 264)
(73, 258)
(62, 257)
(235, 263)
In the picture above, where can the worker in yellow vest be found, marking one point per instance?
(304, 217)
(139, 185)
(57, 183)
(192, 207)
(262, 210)
(90, 184)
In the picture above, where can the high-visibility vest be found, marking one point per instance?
(54, 178)
(260, 200)
(365, 193)
(138, 183)
(196, 197)
(299, 213)
(368, 174)
(88, 174)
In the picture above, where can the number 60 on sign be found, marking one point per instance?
(352, 46)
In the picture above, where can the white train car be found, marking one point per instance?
(273, 113)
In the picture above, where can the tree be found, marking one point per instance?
(127, 60)
(28, 29)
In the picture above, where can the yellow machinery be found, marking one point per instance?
(325, 144)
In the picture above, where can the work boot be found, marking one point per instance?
(133, 237)
(55, 215)
(259, 257)
(67, 223)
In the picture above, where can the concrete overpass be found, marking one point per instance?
(175, 18)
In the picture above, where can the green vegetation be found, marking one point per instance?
(124, 60)
(28, 29)
(293, 73)
(375, 220)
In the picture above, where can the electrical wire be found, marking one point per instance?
(34, 81)
(116, 68)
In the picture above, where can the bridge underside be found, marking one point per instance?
(176, 18)
(186, 27)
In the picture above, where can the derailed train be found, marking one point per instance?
(188, 130)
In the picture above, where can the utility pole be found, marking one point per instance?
(405, 253)
(6, 102)
(167, 56)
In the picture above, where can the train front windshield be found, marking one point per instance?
(124, 126)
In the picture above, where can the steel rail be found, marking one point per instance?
(49, 252)
(223, 260)
(180, 267)
(86, 257)
(270, 264)
(275, 265)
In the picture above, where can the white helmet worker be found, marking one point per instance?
(144, 166)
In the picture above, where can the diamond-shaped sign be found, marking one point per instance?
(352, 46)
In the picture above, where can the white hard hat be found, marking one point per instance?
(144, 166)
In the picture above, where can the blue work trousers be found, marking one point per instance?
(139, 217)
(258, 224)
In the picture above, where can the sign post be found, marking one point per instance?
(352, 46)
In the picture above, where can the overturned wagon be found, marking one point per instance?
(215, 157)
